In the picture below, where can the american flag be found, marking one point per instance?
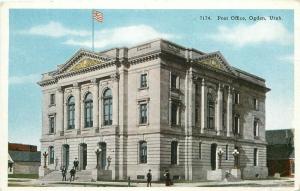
(98, 16)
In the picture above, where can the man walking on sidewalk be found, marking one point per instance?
(149, 178)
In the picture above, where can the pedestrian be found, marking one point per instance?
(167, 178)
(149, 178)
(72, 173)
(64, 173)
(76, 164)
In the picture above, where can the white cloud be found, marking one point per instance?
(286, 58)
(259, 32)
(55, 30)
(124, 36)
(279, 113)
(18, 80)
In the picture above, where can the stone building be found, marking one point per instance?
(158, 106)
(281, 152)
(23, 159)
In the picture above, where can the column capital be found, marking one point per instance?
(59, 89)
(94, 81)
(203, 82)
(115, 77)
(76, 85)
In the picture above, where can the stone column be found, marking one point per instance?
(60, 110)
(95, 91)
(191, 102)
(203, 105)
(219, 111)
(115, 98)
(77, 106)
(229, 113)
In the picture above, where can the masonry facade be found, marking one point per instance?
(155, 106)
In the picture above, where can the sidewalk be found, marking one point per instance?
(283, 182)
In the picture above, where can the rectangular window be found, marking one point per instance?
(236, 98)
(143, 81)
(255, 127)
(174, 114)
(51, 155)
(143, 152)
(255, 104)
(51, 124)
(52, 99)
(173, 81)
(255, 155)
(200, 150)
(174, 146)
(196, 115)
(236, 125)
(226, 152)
(143, 113)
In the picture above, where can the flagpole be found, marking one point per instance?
(93, 29)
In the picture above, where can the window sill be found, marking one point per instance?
(52, 105)
(143, 124)
(143, 88)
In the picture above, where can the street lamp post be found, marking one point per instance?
(220, 153)
(45, 154)
(235, 154)
(97, 152)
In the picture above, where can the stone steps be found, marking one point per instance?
(83, 175)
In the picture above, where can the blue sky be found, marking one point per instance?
(41, 39)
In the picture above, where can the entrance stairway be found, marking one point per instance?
(80, 176)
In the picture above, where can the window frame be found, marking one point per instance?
(236, 98)
(143, 152)
(236, 125)
(174, 156)
(143, 80)
(143, 113)
(256, 127)
(107, 102)
(210, 111)
(255, 157)
(52, 99)
(52, 123)
(71, 113)
(255, 104)
(51, 155)
(88, 109)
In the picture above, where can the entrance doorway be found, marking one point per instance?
(102, 156)
(65, 156)
(213, 152)
(82, 156)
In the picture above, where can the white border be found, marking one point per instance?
(135, 4)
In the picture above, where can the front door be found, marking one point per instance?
(65, 155)
(102, 156)
(82, 156)
(213, 151)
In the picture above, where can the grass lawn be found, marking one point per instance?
(31, 176)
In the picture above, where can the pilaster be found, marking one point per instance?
(77, 106)
(203, 106)
(219, 110)
(60, 110)
(229, 113)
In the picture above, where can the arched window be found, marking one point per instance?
(88, 110)
(143, 152)
(107, 107)
(51, 155)
(71, 112)
(211, 111)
